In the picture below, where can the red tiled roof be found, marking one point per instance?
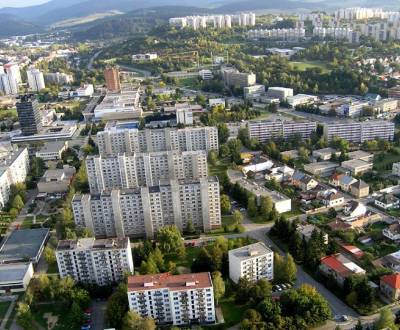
(354, 250)
(172, 282)
(392, 280)
(333, 263)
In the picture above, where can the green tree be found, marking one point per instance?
(386, 320)
(213, 157)
(49, 255)
(266, 206)
(24, 316)
(225, 204)
(170, 240)
(117, 306)
(219, 286)
(133, 321)
(148, 267)
(17, 203)
(290, 269)
(251, 206)
(223, 133)
(237, 217)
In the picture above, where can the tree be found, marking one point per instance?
(223, 133)
(203, 262)
(170, 240)
(219, 286)
(190, 229)
(225, 204)
(213, 157)
(386, 320)
(117, 306)
(251, 206)
(24, 316)
(49, 255)
(290, 269)
(17, 203)
(133, 321)
(148, 267)
(359, 325)
(237, 217)
(266, 206)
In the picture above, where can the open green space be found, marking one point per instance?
(233, 313)
(8, 114)
(220, 168)
(55, 309)
(191, 83)
(191, 254)
(384, 161)
(4, 305)
(304, 65)
(28, 221)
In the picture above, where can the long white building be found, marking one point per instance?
(143, 211)
(14, 167)
(277, 34)
(215, 21)
(264, 130)
(35, 80)
(173, 299)
(116, 140)
(253, 262)
(144, 169)
(101, 261)
(358, 132)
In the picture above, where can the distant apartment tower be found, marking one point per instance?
(111, 75)
(12, 69)
(30, 118)
(358, 132)
(114, 140)
(252, 262)
(95, 261)
(35, 80)
(234, 78)
(265, 130)
(58, 78)
(173, 299)
(14, 167)
(123, 171)
(8, 85)
(143, 211)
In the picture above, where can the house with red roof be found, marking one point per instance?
(390, 286)
(352, 251)
(339, 267)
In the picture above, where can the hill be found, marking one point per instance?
(12, 26)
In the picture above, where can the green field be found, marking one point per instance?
(233, 314)
(3, 309)
(304, 65)
(385, 163)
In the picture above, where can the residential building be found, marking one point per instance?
(339, 267)
(293, 34)
(321, 168)
(23, 245)
(332, 198)
(58, 78)
(252, 92)
(14, 167)
(352, 109)
(215, 21)
(357, 166)
(206, 74)
(394, 92)
(234, 78)
(35, 80)
(144, 57)
(86, 90)
(280, 93)
(387, 201)
(396, 169)
(325, 154)
(301, 99)
(354, 210)
(15, 278)
(52, 150)
(139, 169)
(143, 211)
(359, 189)
(265, 130)
(307, 230)
(184, 117)
(351, 250)
(8, 85)
(95, 261)
(361, 155)
(30, 118)
(391, 261)
(392, 232)
(56, 181)
(358, 132)
(173, 299)
(12, 69)
(390, 286)
(111, 75)
(117, 139)
(252, 262)
(386, 105)
(342, 180)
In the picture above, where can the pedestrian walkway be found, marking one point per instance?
(9, 311)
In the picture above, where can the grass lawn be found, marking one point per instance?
(304, 65)
(233, 314)
(63, 322)
(191, 83)
(191, 254)
(3, 309)
(52, 269)
(28, 221)
(385, 163)
(227, 220)
(218, 169)
(292, 213)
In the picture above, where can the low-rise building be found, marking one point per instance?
(332, 198)
(386, 105)
(359, 189)
(387, 201)
(325, 154)
(173, 299)
(253, 262)
(321, 168)
(301, 99)
(56, 181)
(392, 232)
(280, 93)
(342, 180)
(361, 155)
(52, 150)
(252, 92)
(15, 277)
(354, 209)
(307, 230)
(339, 267)
(390, 286)
(357, 166)
(101, 261)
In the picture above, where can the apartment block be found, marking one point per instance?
(111, 75)
(280, 93)
(173, 299)
(253, 262)
(29, 115)
(35, 80)
(358, 132)
(265, 130)
(143, 211)
(144, 169)
(234, 78)
(99, 261)
(117, 140)
(14, 167)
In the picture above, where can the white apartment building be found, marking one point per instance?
(12, 69)
(143, 211)
(337, 33)
(115, 140)
(144, 57)
(253, 262)
(215, 21)
(144, 169)
(99, 261)
(173, 299)
(301, 99)
(8, 85)
(234, 78)
(358, 132)
(252, 92)
(277, 34)
(264, 130)
(35, 80)
(58, 78)
(358, 13)
(280, 93)
(14, 168)
(184, 116)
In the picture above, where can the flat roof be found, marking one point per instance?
(23, 244)
(355, 163)
(93, 244)
(13, 272)
(53, 146)
(250, 251)
(359, 154)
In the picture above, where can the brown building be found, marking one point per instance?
(390, 286)
(359, 189)
(111, 75)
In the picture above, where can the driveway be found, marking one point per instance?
(98, 314)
